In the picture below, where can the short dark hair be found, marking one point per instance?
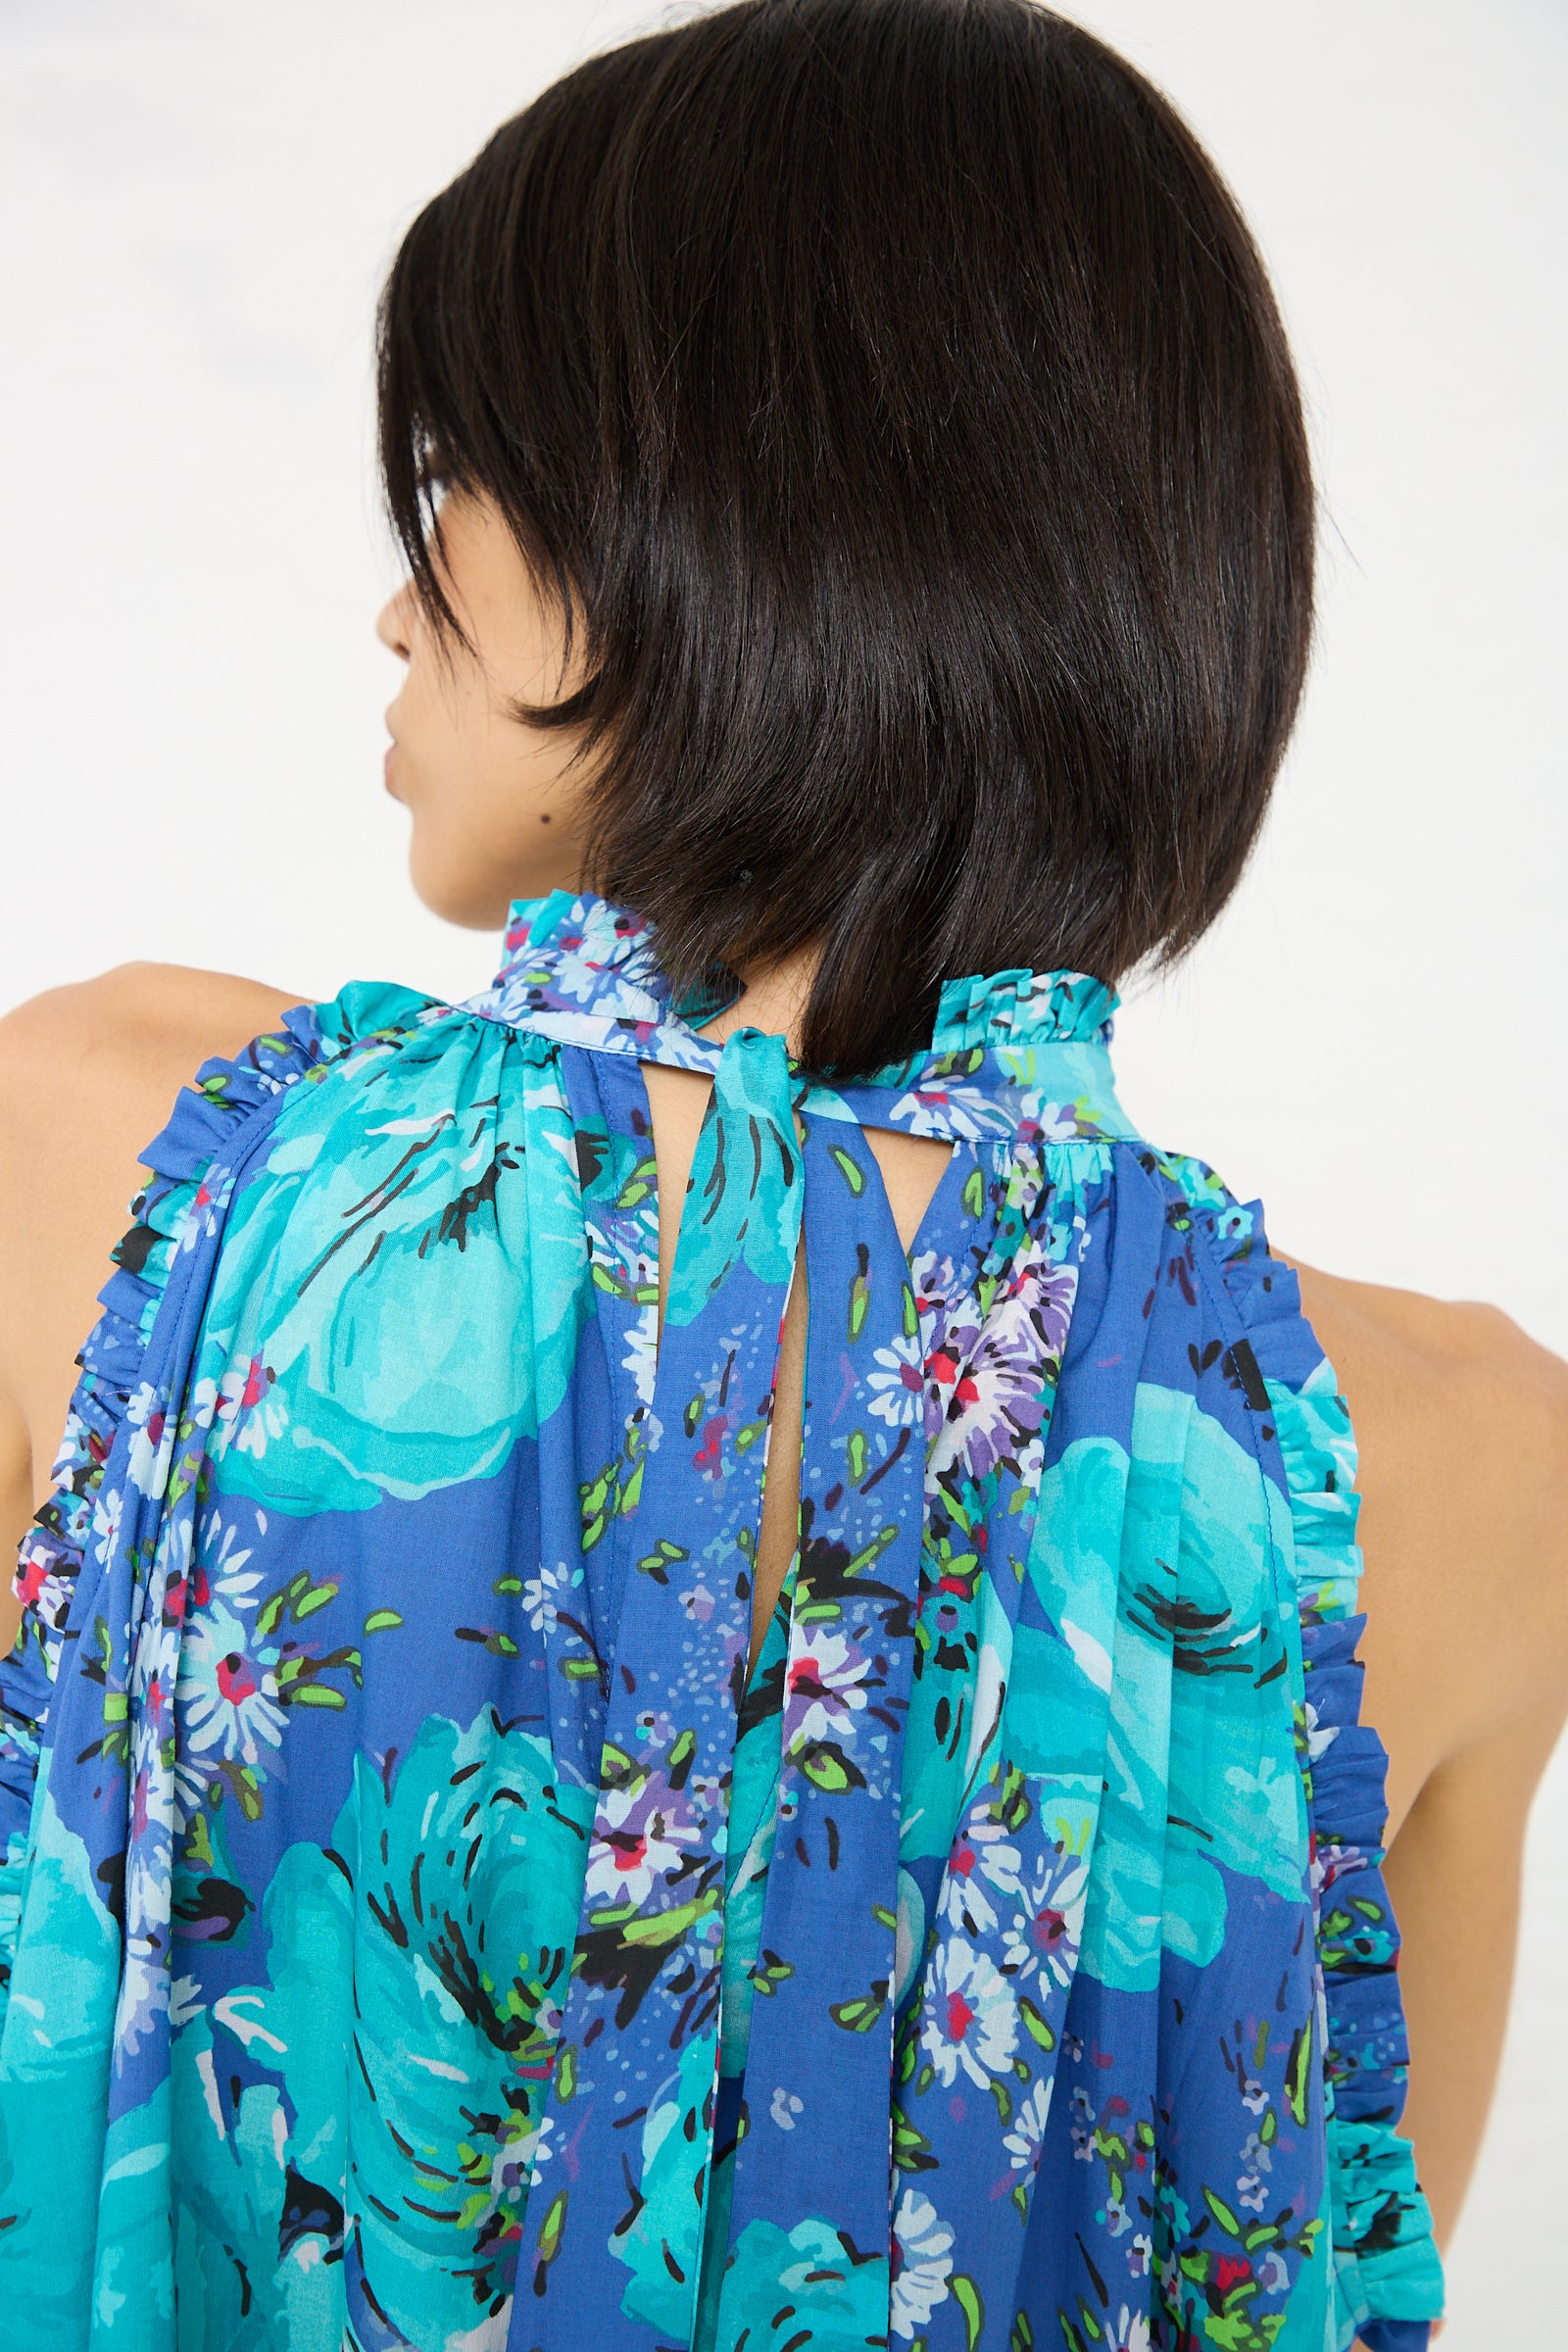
(894, 395)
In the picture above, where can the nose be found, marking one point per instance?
(394, 623)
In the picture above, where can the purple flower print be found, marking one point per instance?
(898, 1385)
(950, 1328)
(824, 1685)
(998, 1398)
(640, 1837)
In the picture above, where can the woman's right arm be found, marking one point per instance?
(88, 1076)
(1461, 1423)
(16, 1502)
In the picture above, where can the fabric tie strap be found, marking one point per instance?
(638, 2052)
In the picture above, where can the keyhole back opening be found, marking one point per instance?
(911, 1169)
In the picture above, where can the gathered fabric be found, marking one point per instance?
(421, 1927)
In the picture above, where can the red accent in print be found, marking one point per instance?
(961, 2017)
(234, 1678)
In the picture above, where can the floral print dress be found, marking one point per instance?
(421, 1931)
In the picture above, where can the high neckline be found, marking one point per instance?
(1009, 1051)
(577, 954)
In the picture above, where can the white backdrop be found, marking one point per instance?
(199, 201)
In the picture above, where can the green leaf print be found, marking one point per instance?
(1298, 2072)
(301, 1679)
(848, 1168)
(968, 2299)
(859, 2015)
(1036, 2024)
(498, 1645)
(659, 1562)
(827, 1767)
(860, 1304)
(640, 1185)
(550, 2227)
(770, 1972)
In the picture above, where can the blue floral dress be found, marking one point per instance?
(419, 1928)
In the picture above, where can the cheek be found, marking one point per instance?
(442, 753)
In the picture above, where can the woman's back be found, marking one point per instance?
(450, 1584)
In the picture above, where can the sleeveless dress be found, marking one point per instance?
(419, 1929)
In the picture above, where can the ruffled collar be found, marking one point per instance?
(584, 972)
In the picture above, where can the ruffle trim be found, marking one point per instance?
(1387, 2278)
(184, 1164)
(1023, 1009)
(187, 1165)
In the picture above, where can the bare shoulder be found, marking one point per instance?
(1439, 1345)
(127, 1029)
(88, 1074)
(1462, 1422)
(1480, 1409)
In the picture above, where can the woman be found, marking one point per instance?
(706, 1569)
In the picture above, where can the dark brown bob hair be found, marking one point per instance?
(895, 398)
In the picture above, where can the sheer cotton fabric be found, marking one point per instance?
(421, 1930)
